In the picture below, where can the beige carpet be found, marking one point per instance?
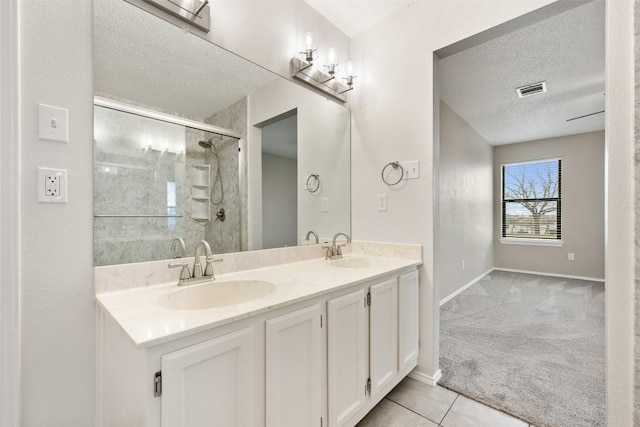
(532, 346)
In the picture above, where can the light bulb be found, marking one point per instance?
(308, 39)
(349, 68)
(332, 55)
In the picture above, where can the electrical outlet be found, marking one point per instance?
(382, 202)
(52, 185)
(571, 256)
(463, 264)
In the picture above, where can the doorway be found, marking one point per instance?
(279, 183)
(480, 132)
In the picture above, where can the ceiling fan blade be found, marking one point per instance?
(586, 115)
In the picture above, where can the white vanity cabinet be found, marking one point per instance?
(348, 355)
(372, 344)
(323, 361)
(294, 373)
(408, 320)
(209, 384)
(212, 378)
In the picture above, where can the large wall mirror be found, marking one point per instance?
(193, 142)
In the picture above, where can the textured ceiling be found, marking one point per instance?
(144, 59)
(355, 16)
(566, 51)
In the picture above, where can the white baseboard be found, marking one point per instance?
(539, 273)
(426, 379)
(511, 270)
(462, 289)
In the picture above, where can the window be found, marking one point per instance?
(531, 203)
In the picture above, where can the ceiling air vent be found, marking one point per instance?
(532, 89)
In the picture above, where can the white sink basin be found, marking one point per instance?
(351, 263)
(216, 294)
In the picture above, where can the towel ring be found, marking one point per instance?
(310, 186)
(395, 165)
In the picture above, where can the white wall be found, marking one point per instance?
(636, 416)
(582, 206)
(9, 216)
(619, 246)
(279, 201)
(465, 196)
(57, 308)
(393, 111)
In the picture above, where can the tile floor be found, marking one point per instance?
(414, 404)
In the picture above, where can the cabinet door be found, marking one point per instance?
(383, 333)
(294, 371)
(408, 320)
(348, 355)
(209, 384)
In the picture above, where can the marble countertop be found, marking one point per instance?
(148, 324)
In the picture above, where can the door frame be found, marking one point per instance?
(10, 215)
(620, 211)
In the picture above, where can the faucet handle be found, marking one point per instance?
(329, 252)
(208, 269)
(185, 273)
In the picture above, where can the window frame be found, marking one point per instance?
(557, 241)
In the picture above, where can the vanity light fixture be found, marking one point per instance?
(194, 12)
(324, 81)
(332, 63)
(349, 77)
(308, 52)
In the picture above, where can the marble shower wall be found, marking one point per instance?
(142, 187)
(143, 194)
(139, 169)
(229, 235)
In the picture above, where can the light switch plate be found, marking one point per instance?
(411, 169)
(52, 185)
(325, 204)
(53, 123)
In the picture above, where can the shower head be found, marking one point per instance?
(206, 144)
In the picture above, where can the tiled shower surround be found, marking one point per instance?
(230, 235)
(142, 189)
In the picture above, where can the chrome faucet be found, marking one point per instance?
(334, 251)
(197, 267)
(309, 234)
(178, 243)
(186, 277)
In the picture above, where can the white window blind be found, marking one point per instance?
(531, 199)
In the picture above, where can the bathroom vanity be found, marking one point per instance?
(320, 345)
